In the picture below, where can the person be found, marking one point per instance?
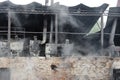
(35, 47)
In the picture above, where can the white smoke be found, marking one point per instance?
(64, 16)
(15, 20)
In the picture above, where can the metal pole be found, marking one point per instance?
(9, 29)
(44, 27)
(9, 34)
(111, 39)
(56, 31)
(44, 31)
(102, 34)
(52, 2)
(51, 30)
(112, 34)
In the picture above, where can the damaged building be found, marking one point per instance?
(52, 42)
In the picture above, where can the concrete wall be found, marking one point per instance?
(71, 68)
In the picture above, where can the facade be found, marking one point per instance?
(41, 42)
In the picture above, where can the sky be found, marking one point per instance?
(91, 3)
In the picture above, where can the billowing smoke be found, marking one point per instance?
(67, 23)
(64, 18)
(15, 20)
(63, 14)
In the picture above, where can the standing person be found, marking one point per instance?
(35, 48)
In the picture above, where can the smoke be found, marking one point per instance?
(78, 45)
(64, 16)
(78, 50)
(3, 49)
(15, 20)
(27, 71)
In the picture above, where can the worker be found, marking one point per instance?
(35, 47)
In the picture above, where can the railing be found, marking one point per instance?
(48, 11)
(14, 31)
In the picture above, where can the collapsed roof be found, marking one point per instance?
(25, 16)
(30, 17)
(113, 16)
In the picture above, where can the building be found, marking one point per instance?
(46, 42)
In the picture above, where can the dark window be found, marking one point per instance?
(4, 74)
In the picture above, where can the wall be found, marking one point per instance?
(71, 68)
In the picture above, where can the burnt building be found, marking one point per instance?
(54, 24)
(57, 30)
